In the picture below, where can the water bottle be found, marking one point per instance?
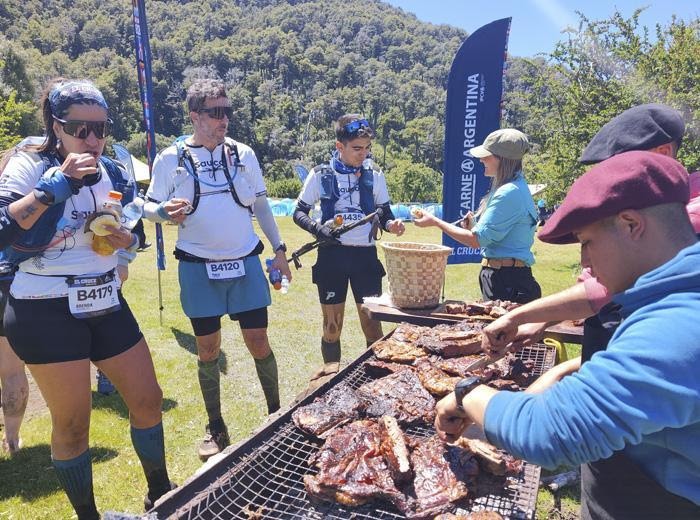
(284, 285)
(132, 212)
(275, 275)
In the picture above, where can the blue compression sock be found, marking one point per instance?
(150, 447)
(75, 476)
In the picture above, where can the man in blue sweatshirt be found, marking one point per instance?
(637, 403)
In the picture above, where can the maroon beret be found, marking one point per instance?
(630, 180)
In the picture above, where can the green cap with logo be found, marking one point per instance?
(507, 142)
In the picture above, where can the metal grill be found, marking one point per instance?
(263, 477)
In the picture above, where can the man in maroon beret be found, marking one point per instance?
(634, 406)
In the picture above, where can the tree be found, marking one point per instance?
(413, 182)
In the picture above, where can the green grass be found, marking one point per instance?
(28, 486)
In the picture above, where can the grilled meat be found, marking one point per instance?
(339, 406)
(352, 467)
(491, 459)
(442, 476)
(478, 515)
(384, 368)
(516, 373)
(399, 395)
(453, 340)
(433, 379)
(401, 345)
(495, 308)
(458, 366)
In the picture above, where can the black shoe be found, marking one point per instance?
(145, 246)
(151, 499)
(214, 441)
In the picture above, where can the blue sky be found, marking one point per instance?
(537, 24)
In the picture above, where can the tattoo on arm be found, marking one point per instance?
(28, 212)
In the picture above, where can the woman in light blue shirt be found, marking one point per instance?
(504, 225)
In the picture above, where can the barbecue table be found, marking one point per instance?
(565, 332)
(262, 477)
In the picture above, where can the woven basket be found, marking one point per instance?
(416, 273)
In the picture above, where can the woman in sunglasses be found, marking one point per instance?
(65, 308)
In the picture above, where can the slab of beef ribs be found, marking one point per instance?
(401, 346)
(377, 368)
(509, 368)
(452, 340)
(443, 475)
(459, 366)
(360, 462)
(491, 459)
(434, 380)
(339, 406)
(398, 395)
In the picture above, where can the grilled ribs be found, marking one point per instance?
(401, 345)
(433, 379)
(491, 459)
(442, 476)
(454, 340)
(339, 406)
(459, 366)
(399, 395)
(353, 466)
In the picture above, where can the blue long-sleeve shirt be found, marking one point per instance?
(506, 228)
(641, 395)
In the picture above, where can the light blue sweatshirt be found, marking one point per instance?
(506, 228)
(641, 395)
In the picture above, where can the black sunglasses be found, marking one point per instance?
(356, 125)
(217, 112)
(82, 129)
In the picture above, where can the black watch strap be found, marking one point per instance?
(463, 387)
(282, 247)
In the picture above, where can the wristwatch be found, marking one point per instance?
(463, 387)
(282, 247)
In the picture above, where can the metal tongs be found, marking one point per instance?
(338, 231)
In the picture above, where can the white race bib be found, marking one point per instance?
(225, 269)
(92, 295)
(350, 217)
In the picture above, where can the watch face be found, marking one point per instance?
(282, 247)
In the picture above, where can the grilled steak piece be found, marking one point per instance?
(394, 450)
(384, 368)
(478, 515)
(352, 468)
(399, 395)
(491, 459)
(339, 406)
(442, 476)
(458, 366)
(509, 373)
(433, 379)
(504, 384)
(454, 340)
(401, 345)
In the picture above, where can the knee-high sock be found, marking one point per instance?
(208, 372)
(330, 350)
(75, 476)
(150, 447)
(267, 374)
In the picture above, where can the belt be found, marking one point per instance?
(497, 263)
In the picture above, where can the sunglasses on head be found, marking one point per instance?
(356, 125)
(217, 112)
(82, 129)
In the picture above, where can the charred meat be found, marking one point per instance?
(452, 340)
(401, 346)
(491, 459)
(433, 379)
(399, 395)
(339, 406)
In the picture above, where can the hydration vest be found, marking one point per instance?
(330, 192)
(34, 241)
(184, 160)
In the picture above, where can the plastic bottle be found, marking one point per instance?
(284, 284)
(275, 275)
(132, 212)
(101, 245)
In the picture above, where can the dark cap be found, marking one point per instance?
(639, 128)
(630, 180)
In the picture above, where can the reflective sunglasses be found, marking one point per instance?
(217, 112)
(82, 129)
(356, 125)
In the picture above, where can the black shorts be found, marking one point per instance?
(338, 265)
(44, 331)
(515, 284)
(253, 319)
(4, 294)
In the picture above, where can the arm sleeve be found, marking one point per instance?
(302, 219)
(267, 220)
(619, 396)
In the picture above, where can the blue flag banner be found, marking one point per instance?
(472, 111)
(143, 68)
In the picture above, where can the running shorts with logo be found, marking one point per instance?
(338, 265)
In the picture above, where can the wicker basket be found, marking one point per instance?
(416, 273)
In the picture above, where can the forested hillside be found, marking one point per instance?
(292, 67)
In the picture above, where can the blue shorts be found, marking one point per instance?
(201, 297)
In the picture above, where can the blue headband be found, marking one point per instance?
(68, 93)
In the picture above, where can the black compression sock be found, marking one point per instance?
(330, 350)
(267, 374)
(208, 372)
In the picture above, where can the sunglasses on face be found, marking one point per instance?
(357, 125)
(217, 112)
(82, 129)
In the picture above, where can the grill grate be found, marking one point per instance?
(263, 478)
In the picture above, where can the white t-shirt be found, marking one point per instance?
(70, 251)
(219, 229)
(348, 203)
